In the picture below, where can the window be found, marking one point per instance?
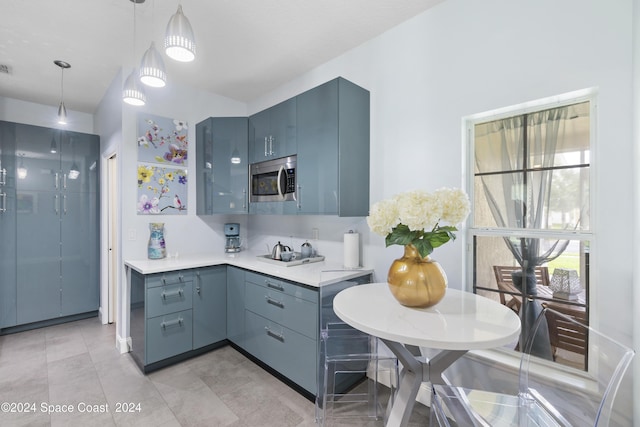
(530, 230)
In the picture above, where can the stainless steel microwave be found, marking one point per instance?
(273, 180)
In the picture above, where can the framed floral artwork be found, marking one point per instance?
(161, 190)
(162, 140)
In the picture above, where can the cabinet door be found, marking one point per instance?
(80, 267)
(204, 168)
(282, 120)
(230, 165)
(235, 305)
(79, 162)
(317, 172)
(209, 306)
(38, 256)
(8, 165)
(259, 132)
(273, 132)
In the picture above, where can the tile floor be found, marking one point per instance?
(44, 373)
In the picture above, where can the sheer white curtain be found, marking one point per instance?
(516, 175)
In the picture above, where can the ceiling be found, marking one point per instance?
(245, 48)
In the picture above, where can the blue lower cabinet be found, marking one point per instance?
(169, 335)
(281, 327)
(235, 305)
(292, 354)
(209, 306)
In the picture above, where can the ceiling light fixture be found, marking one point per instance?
(152, 72)
(179, 42)
(133, 92)
(62, 111)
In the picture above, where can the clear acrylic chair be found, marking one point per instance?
(585, 398)
(360, 375)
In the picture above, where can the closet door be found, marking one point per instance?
(7, 225)
(79, 220)
(38, 225)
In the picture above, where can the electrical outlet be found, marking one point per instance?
(314, 233)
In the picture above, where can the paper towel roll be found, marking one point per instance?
(351, 250)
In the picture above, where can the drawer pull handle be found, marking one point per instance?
(274, 302)
(170, 323)
(177, 293)
(272, 334)
(275, 286)
(180, 279)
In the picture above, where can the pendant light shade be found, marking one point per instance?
(62, 111)
(62, 114)
(133, 92)
(179, 42)
(152, 72)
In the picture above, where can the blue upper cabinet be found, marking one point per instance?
(333, 150)
(272, 132)
(222, 166)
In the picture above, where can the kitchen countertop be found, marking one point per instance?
(314, 274)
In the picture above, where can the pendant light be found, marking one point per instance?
(133, 92)
(179, 42)
(62, 111)
(152, 72)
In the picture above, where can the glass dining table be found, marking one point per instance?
(460, 322)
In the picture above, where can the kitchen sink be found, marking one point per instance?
(293, 262)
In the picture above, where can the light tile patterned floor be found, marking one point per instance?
(47, 372)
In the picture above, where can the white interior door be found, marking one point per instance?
(113, 237)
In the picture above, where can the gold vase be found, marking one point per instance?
(415, 281)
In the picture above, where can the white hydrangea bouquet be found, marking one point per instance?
(415, 218)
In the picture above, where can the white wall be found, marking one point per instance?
(18, 111)
(184, 234)
(465, 57)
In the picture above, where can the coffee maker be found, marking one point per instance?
(232, 233)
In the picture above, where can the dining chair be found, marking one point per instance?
(505, 283)
(563, 335)
(548, 395)
(356, 367)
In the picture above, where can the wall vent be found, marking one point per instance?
(6, 69)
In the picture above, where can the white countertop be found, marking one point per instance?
(461, 321)
(314, 274)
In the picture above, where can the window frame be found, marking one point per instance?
(469, 176)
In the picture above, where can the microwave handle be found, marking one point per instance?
(281, 171)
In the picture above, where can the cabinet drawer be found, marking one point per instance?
(168, 335)
(295, 313)
(168, 299)
(288, 352)
(288, 288)
(169, 278)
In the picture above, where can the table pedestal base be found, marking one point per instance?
(417, 369)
